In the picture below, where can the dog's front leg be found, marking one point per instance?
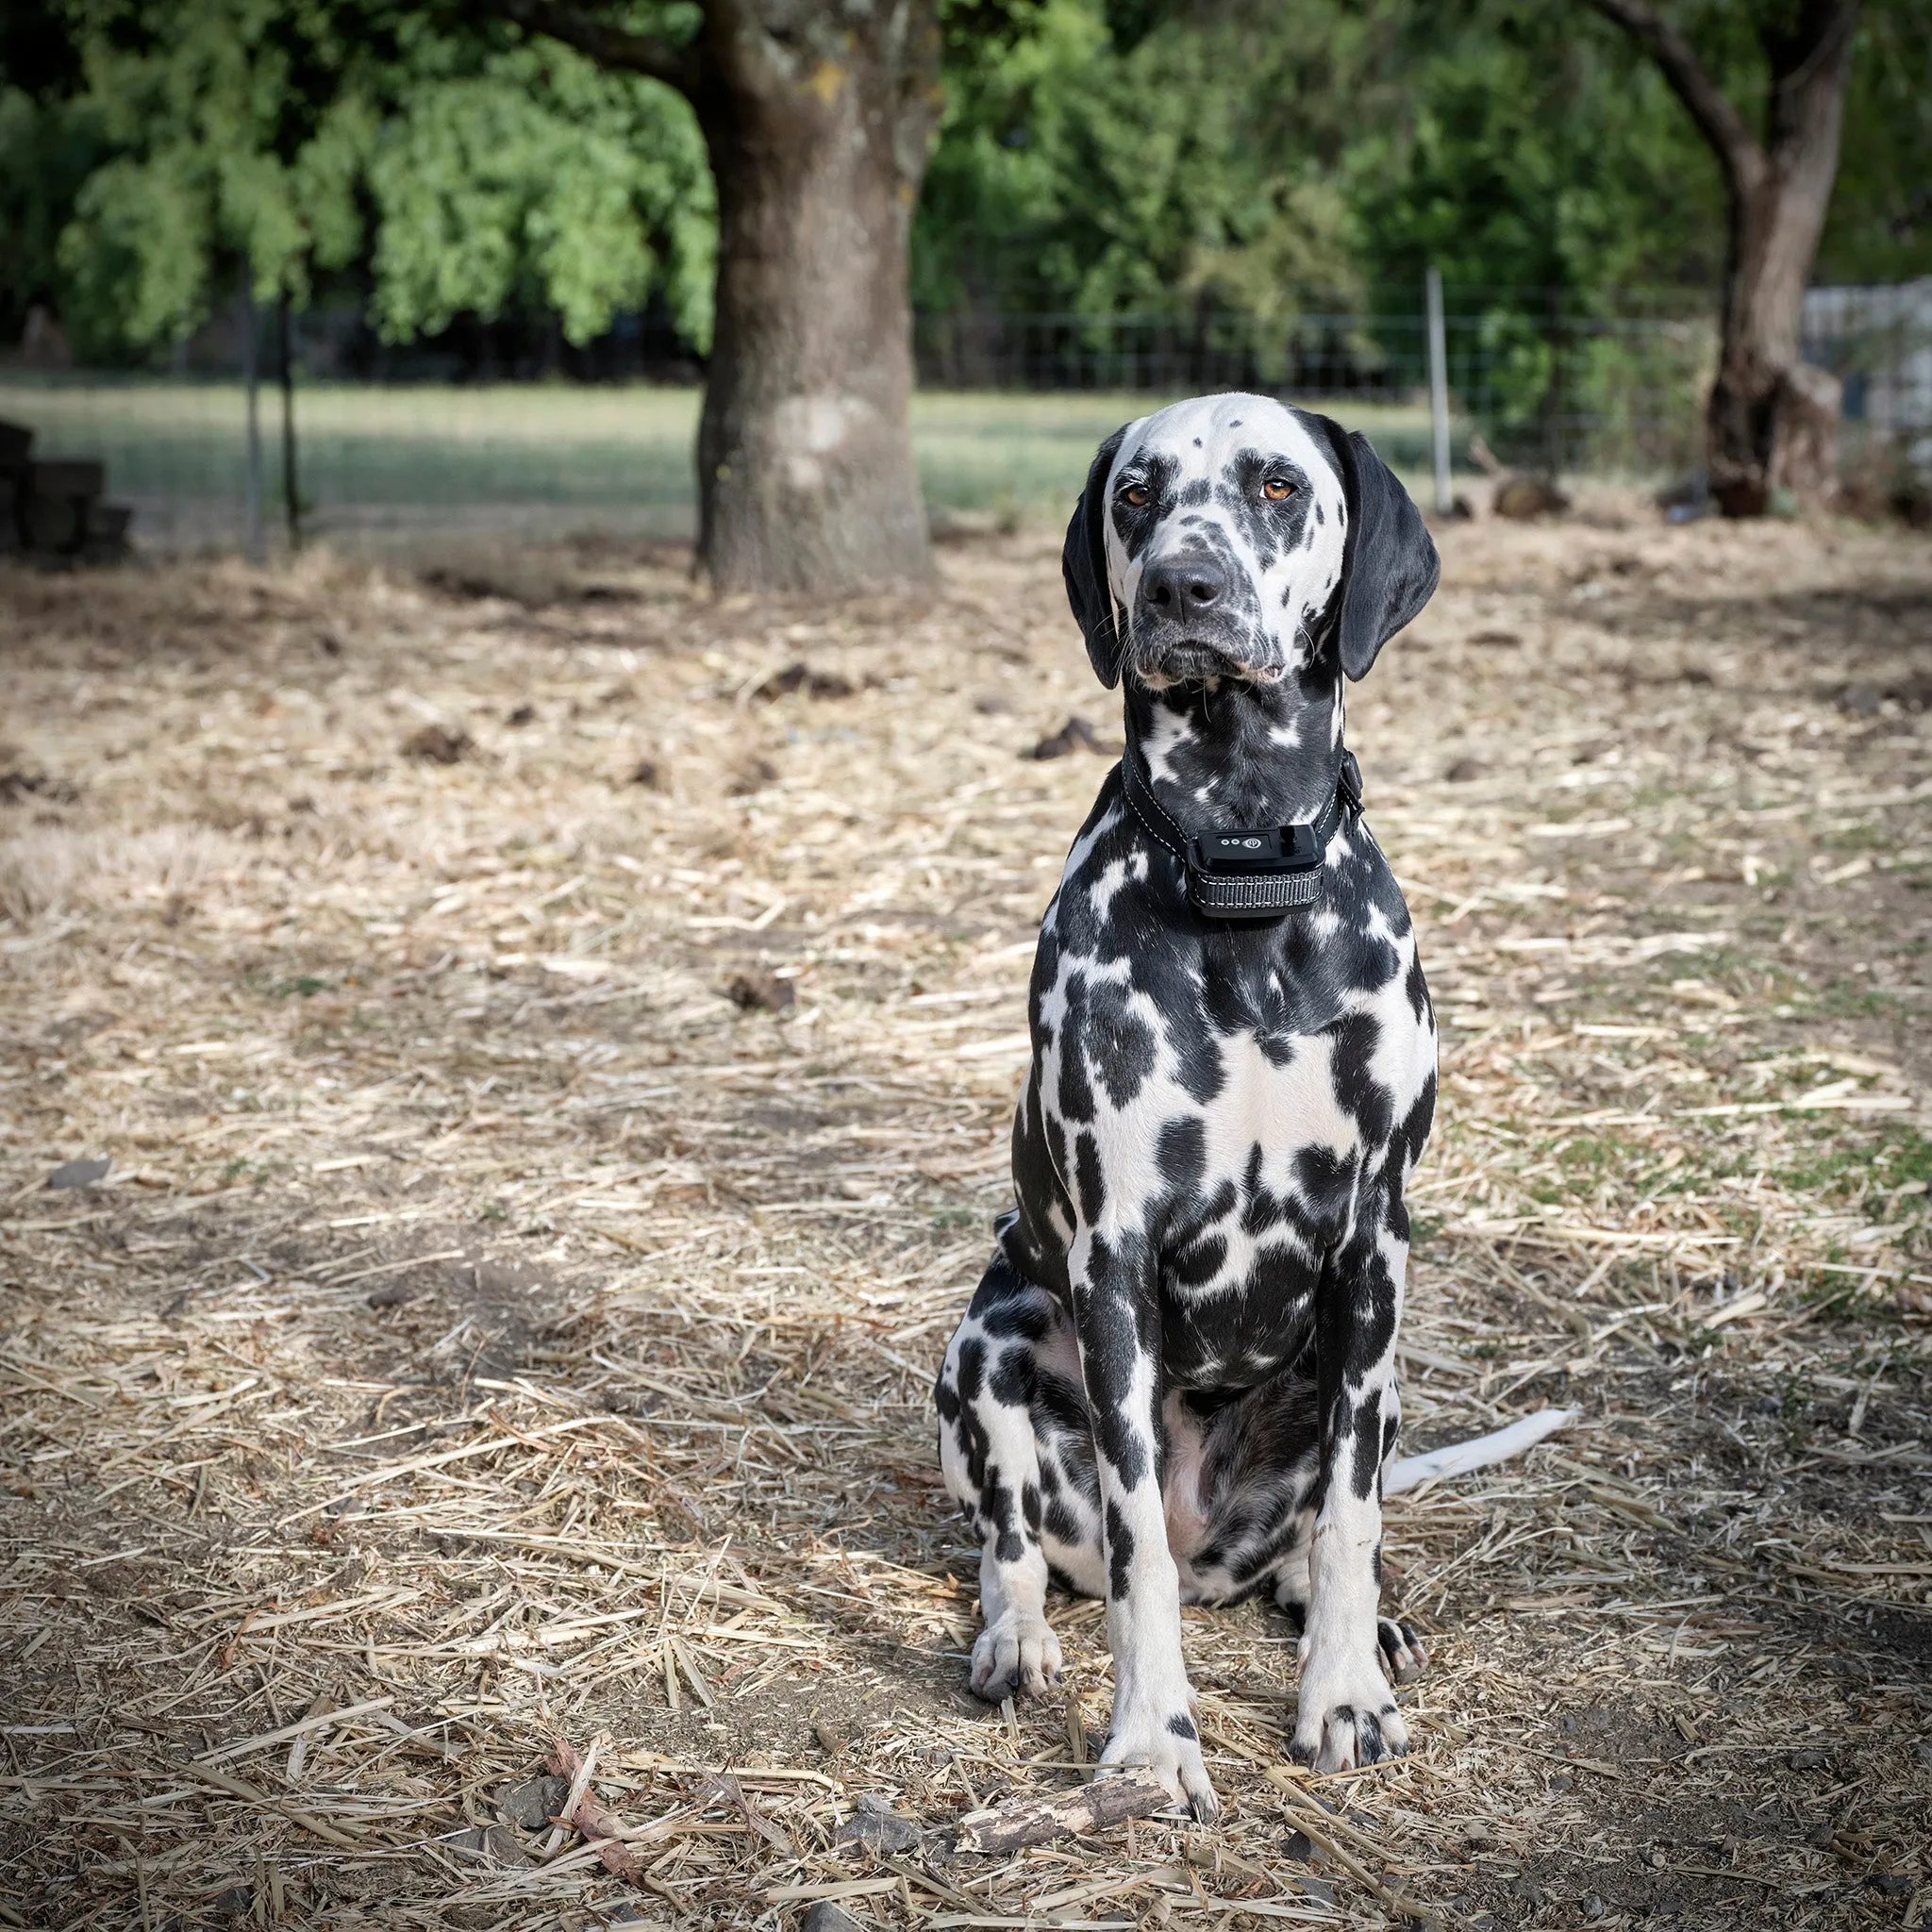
(1347, 1714)
(1118, 1319)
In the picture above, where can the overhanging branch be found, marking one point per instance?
(607, 46)
(1720, 122)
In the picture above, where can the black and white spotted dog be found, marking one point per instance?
(1176, 1381)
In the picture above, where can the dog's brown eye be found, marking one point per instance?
(1277, 489)
(1135, 493)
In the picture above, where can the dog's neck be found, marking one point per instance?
(1233, 754)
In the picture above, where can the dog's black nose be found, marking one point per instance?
(1184, 587)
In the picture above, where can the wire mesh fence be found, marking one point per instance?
(1878, 342)
(1009, 409)
(1555, 390)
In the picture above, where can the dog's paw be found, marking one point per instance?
(1171, 1751)
(1018, 1655)
(1403, 1655)
(1347, 1717)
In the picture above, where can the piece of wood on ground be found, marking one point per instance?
(587, 1816)
(1033, 1819)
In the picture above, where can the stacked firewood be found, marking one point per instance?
(53, 511)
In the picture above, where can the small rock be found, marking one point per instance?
(1860, 701)
(1593, 1907)
(492, 1844)
(1890, 1884)
(1317, 1889)
(1478, 1838)
(533, 1803)
(1527, 1889)
(436, 744)
(825, 1916)
(1923, 1753)
(391, 1294)
(1299, 1846)
(831, 1740)
(79, 1173)
(1808, 1760)
(237, 1902)
(994, 706)
(874, 1823)
(758, 991)
(1497, 640)
(523, 714)
(1464, 770)
(648, 773)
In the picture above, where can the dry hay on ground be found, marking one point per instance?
(507, 1320)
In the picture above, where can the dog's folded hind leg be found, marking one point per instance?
(989, 1454)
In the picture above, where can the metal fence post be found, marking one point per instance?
(1438, 388)
(251, 379)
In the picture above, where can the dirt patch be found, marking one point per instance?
(489, 1326)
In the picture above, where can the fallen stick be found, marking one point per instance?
(1458, 1459)
(591, 1820)
(1031, 1821)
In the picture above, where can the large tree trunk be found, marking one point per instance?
(819, 117)
(1772, 423)
(806, 474)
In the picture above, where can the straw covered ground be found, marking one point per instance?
(554, 1036)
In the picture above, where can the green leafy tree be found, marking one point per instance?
(531, 179)
(1879, 227)
(48, 151)
(457, 170)
(237, 131)
(1549, 177)
(1161, 166)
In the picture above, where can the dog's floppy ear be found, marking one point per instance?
(1390, 568)
(1083, 563)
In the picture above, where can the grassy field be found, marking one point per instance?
(507, 1325)
(544, 459)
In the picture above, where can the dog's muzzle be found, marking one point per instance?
(1192, 622)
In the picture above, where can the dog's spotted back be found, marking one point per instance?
(1177, 1378)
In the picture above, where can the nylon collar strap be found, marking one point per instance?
(1246, 872)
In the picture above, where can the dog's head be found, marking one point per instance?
(1232, 537)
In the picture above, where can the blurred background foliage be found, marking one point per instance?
(1254, 159)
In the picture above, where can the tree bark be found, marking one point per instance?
(1771, 422)
(818, 119)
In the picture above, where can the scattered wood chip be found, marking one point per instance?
(1077, 734)
(800, 676)
(436, 744)
(758, 990)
